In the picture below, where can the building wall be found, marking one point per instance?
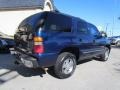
(11, 18)
(14, 4)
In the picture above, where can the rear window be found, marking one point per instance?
(57, 22)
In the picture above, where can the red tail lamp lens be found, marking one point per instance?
(38, 49)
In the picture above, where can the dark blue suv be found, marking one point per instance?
(54, 39)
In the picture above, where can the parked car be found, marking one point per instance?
(58, 40)
(6, 44)
(10, 42)
(3, 45)
(115, 40)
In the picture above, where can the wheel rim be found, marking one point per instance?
(106, 54)
(68, 66)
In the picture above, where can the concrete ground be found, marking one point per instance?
(89, 75)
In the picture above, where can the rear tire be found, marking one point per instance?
(105, 56)
(65, 65)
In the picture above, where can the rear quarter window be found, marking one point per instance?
(58, 22)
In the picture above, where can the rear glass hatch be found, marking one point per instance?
(27, 30)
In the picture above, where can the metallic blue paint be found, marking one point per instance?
(55, 42)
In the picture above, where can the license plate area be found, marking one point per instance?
(28, 61)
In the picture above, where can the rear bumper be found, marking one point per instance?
(35, 60)
(26, 60)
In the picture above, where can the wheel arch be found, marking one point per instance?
(73, 50)
(108, 46)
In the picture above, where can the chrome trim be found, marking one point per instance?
(85, 52)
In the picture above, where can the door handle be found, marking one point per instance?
(80, 40)
(94, 41)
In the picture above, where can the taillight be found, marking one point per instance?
(38, 49)
(38, 39)
(38, 45)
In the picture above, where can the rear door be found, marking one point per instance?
(58, 28)
(84, 40)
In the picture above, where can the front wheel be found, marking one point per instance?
(105, 56)
(65, 65)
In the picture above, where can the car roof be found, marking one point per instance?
(65, 15)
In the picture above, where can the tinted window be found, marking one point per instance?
(81, 27)
(57, 22)
(93, 30)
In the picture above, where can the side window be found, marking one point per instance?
(57, 22)
(94, 31)
(82, 27)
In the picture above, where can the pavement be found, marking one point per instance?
(89, 75)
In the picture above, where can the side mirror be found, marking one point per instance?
(103, 34)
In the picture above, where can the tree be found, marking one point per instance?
(103, 33)
(118, 18)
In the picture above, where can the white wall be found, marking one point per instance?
(10, 20)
